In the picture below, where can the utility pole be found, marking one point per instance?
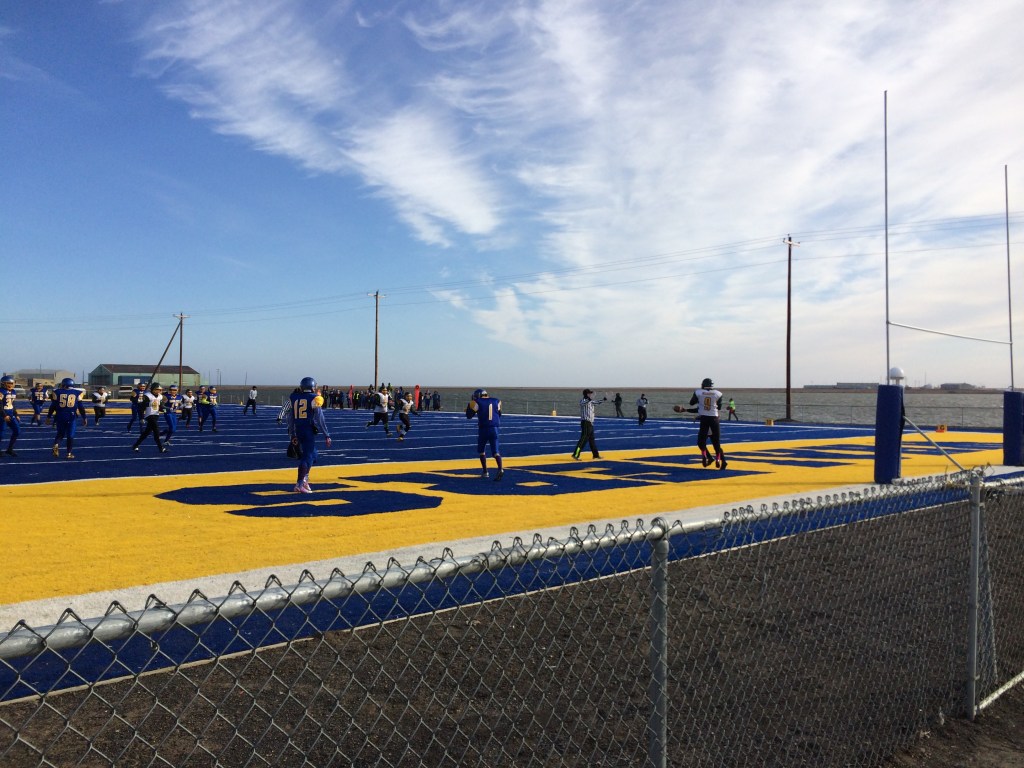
(789, 325)
(377, 296)
(181, 348)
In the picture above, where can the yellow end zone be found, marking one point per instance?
(72, 538)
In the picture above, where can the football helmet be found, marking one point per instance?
(155, 386)
(478, 393)
(707, 383)
(7, 382)
(66, 382)
(308, 384)
(173, 387)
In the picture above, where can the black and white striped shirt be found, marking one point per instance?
(587, 408)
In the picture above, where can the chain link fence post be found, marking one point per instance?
(658, 691)
(972, 598)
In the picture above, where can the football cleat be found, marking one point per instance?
(56, 450)
(70, 456)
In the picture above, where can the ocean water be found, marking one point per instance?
(926, 408)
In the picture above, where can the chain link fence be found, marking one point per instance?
(827, 631)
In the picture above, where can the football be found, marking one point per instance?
(677, 408)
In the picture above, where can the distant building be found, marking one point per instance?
(844, 385)
(118, 374)
(48, 377)
(956, 386)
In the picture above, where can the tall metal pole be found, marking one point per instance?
(1009, 290)
(789, 326)
(376, 334)
(885, 127)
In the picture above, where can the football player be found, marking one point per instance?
(37, 398)
(138, 402)
(151, 415)
(172, 406)
(402, 409)
(65, 407)
(9, 413)
(305, 418)
(487, 410)
(381, 408)
(99, 404)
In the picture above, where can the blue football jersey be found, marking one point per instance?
(8, 402)
(66, 402)
(488, 411)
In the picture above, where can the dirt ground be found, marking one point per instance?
(994, 740)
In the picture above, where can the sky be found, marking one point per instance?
(526, 193)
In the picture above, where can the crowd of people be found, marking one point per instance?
(366, 399)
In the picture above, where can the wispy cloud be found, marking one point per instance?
(582, 133)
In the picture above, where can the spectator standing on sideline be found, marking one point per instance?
(731, 408)
(37, 399)
(99, 404)
(708, 401)
(487, 410)
(251, 402)
(641, 409)
(64, 410)
(380, 411)
(188, 402)
(305, 419)
(587, 408)
(151, 418)
(9, 413)
(618, 406)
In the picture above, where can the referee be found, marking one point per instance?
(587, 405)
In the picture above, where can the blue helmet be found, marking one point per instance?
(308, 384)
(8, 380)
(66, 382)
(478, 393)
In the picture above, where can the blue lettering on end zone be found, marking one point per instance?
(342, 500)
(330, 500)
(556, 479)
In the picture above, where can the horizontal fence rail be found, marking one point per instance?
(824, 631)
